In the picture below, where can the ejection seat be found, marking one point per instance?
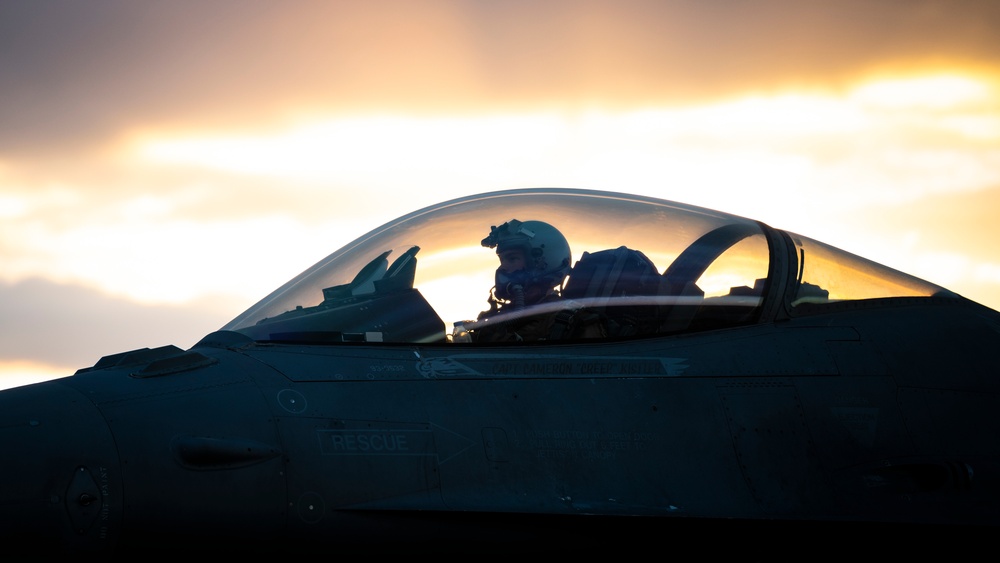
(610, 293)
(689, 310)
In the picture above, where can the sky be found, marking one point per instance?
(164, 165)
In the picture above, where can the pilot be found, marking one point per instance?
(534, 261)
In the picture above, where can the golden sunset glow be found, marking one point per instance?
(859, 146)
(140, 173)
(19, 373)
(928, 93)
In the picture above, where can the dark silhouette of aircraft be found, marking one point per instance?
(696, 368)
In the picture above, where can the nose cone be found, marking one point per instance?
(59, 473)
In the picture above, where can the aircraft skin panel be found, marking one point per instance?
(511, 451)
(194, 444)
(774, 447)
(666, 427)
(52, 430)
(794, 351)
(935, 345)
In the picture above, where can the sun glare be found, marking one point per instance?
(777, 158)
(926, 93)
(329, 148)
(515, 146)
(12, 206)
(18, 373)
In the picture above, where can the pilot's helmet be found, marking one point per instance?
(546, 253)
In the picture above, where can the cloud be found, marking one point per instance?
(960, 222)
(169, 217)
(69, 325)
(75, 74)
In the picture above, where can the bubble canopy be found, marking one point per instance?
(414, 278)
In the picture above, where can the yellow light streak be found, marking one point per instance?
(923, 92)
(23, 372)
(778, 158)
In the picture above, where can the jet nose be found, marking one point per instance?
(60, 480)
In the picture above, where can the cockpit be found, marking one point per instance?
(639, 267)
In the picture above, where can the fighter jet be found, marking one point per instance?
(525, 364)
